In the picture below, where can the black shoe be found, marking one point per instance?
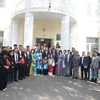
(24, 77)
(65, 75)
(73, 77)
(16, 80)
(68, 75)
(76, 78)
(20, 79)
(95, 81)
(92, 80)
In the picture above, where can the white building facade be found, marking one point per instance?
(71, 23)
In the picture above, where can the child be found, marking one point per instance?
(39, 64)
(51, 64)
(45, 66)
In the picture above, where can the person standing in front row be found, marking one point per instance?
(32, 64)
(59, 64)
(35, 62)
(20, 53)
(94, 66)
(51, 64)
(63, 64)
(16, 69)
(29, 60)
(45, 66)
(83, 64)
(11, 67)
(68, 62)
(76, 62)
(4, 66)
(39, 63)
(89, 63)
(72, 53)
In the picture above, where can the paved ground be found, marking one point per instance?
(51, 88)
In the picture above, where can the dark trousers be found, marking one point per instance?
(9, 76)
(71, 70)
(20, 71)
(82, 70)
(22, 68)
(39, 71)
(3, 78)
(27, 70)
(16, 71)
(54, 70)
(45, 71)
(88, 72)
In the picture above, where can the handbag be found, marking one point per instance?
(22, 60)
(8, 62)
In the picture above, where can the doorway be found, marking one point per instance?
(42, 40)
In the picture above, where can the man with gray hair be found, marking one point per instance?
(76, 62)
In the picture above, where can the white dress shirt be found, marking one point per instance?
(68, 57)
(82, 59)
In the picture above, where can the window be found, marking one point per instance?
(92, 9)
(92, 44)
(58, 37)
(92, 40)
(1, 38)
(2, 3)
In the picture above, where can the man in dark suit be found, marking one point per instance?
(98, 54)
(72, 53)
(89, 63)
(83, 64)
(29, 61)
(68, 62)
(25, 64)
(45, 53)
(20, 55)
(16, 69)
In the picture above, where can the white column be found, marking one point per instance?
(28, 29)
(7, 36)
(15, 30)
(73, 38)
(65, 33)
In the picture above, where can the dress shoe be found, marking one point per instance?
(16, 80)
(20, 79)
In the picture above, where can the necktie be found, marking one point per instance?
(16, 58)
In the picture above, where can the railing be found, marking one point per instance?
(20, 5)
(57, 6)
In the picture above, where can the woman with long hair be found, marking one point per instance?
(59, 63)
(32, 64)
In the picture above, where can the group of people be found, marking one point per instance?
(18, 63)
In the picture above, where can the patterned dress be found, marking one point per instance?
(59, 65)
(35, 63)
(32, 65)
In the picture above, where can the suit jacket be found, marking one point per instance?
(26, 58)
(45, 55)
(20, 55)
(76, 60)
(89, 61)
(29, 58)
(70, 59)
(95, 62)
(85, 61)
